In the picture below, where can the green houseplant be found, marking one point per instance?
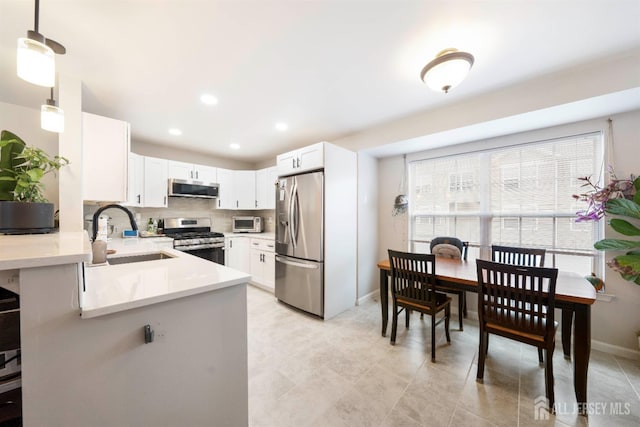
(622, 199)
(23, 207)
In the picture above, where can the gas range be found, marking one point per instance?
(190, 234)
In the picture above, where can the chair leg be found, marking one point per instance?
(482, 354)
(406, 316)
(447, 313)
(464, 303)
(548, 377)
(433, 337)
(460, 309)
(394, 323)
(540, 357)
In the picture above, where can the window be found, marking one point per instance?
(518, 196)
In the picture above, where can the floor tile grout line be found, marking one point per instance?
(624, 372)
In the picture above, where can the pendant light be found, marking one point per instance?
(447, 70)
(52, 116)
(36, 55)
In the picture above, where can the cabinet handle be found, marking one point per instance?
(148, 334)
(196, 174)
(294, 163)
(237, 204)
(138, 199)
(218, 202)
(256, 203)
(298, 160)
(164, 200)
(230, 244)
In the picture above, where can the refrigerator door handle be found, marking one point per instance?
(291, 206)
(296, 264)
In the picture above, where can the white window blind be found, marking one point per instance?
(518, 196)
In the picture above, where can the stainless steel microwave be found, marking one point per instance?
(247, 224)
(189, 188)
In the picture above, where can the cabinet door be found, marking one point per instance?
(311, 157)
(155, 182)
(256, 266)
(226, 193)
(135, 188)
(105, 157)
(237, 254)
(286, 163)
(207, 174)
(180, 170)
(269, 269)
(265, 188)
(245, 188)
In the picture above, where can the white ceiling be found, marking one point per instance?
(328, 68)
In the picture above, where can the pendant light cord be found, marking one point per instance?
(37, 14)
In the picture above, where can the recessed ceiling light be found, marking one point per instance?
(208, 99)
(234, 146)
(281, 126)
(175, 131)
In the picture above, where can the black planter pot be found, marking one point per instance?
(26, 218)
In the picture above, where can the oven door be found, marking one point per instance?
(212, 254)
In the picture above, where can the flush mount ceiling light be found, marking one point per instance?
(51, 116)
(208, 99)
(234, 146)
(447, 70)
(175, 131)
(36, 56)
(281, 126)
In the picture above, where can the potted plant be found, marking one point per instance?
(622, 199)
(23, 207)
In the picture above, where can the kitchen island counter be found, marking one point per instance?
(113, 288)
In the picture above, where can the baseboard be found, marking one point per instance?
(370, 295)
(615, 350)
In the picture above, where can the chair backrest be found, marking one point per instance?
(518, 256)
(413, 277)
(517, 297)
(450, 247)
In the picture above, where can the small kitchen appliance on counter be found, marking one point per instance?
(247, 224)
(194, 236)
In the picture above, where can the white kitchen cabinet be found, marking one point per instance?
(301, 160)
(155, 182)
(105, 158)
(244, 183)
(189, 171)
(135, 189)
(266, 188)
(263, 263)
(237, 253)
(226, 192)
(237, 189)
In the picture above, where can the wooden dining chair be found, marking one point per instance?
(413, 287)
(519, 256)
(517, 302)
(452, 247)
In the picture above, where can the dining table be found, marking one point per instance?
(574, 297)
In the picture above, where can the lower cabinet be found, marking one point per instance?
(236, 253)
(263, 263)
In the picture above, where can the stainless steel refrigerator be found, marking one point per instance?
(300, 241)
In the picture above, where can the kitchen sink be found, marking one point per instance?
(138, 258)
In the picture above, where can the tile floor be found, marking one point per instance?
(342, 372)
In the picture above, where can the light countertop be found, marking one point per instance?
(114, 288)
(40, 250)
(264, 235)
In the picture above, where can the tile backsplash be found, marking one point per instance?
(180, 207)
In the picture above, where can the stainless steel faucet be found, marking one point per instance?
(96, 215)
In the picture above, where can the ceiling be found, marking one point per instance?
(327, 68)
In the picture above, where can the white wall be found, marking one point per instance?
(367, 225)
(25, 122)
(613, 323)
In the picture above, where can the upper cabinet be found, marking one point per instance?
(266, 180)
(136, 180)
(156, 172)
(105, 157)
(188, 171)
(237, 189)
(301, 160)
